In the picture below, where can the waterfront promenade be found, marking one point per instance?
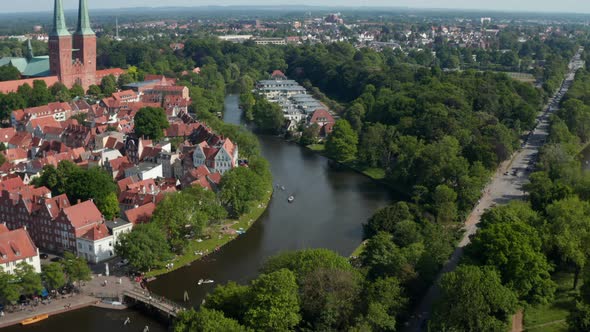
(91, 294)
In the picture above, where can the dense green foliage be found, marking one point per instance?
(145, 248)
(308, 290)
(473, 299)
(82, 184)
(150, 122)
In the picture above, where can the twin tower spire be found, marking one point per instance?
(59, 20)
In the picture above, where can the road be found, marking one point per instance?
(506, 185)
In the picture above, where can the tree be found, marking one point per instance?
(180, 216)
(150, 122)
(76, 268)
(268, 116)
(569, 231)
(61, 92)
(77, 90)
(94, 90)
(29, 281)
(123, 80)
(145, 247)
(514, 249)
(231, 299)
(473, 299)
(54, 276)
(240, 189)
(384, 301)
(341, 145)
(274, 304)
(108, 85)
(9, 288)
(95, 184)
(579, 317)
(206, 320)
(383, 258)
(109, 206)
(302, 262)
(329, 297)
(310, 135)
(444, 204)
(385, 219)
(40, 94)
(9, 73)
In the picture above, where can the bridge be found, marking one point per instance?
(165, 306)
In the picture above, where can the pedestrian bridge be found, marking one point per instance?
(165, 306)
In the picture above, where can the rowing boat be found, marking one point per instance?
(33, 320)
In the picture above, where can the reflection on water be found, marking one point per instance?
(328, 212)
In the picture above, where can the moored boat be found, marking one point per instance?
(33, 320)
(291, 199)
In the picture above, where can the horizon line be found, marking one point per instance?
(285, 6)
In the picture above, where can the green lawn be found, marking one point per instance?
(357, 252)
(217, 239)
(555, 311)
(375, 173)
(317, 147)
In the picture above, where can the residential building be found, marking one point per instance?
(17, 247)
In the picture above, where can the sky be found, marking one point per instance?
(572, 6)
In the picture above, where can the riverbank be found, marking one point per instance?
(220, 235)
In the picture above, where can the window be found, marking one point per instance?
(90, 247)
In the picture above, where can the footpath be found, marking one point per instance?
(91, 294)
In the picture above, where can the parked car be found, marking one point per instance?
(44, 256)
(56, 259)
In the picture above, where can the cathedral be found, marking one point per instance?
(72, 58)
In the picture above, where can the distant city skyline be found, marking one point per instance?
(570, 6)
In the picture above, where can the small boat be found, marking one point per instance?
(33, 320)
(200, 282)
(291, 199)
(208, 281)
(283, 188)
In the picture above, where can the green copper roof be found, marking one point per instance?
(59, 20)
(83, 20)
(30, 54)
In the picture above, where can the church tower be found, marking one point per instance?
(60, 44)
(85, 48)
(72, 59)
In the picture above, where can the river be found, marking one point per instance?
(329, 209)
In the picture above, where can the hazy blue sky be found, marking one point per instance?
(575, 6)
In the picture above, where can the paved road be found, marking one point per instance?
(506, 185)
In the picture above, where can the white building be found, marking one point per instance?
(17, 247)
(118, 227)
(145, 171)
(96, 245)
(218, 158)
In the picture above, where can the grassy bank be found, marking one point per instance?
(551, 316)
(218, 237)
(374, 173)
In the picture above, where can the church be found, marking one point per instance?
(72, 57)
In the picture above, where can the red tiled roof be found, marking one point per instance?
(215, 178)
(12, 86)
(21, 139)
(322, 115)
(82, 214)
(43, 122)
(6, 134)
(106, 72)
(15, 154)
(140, 214)
(96, 233)
(16, 245)
(12, 184)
